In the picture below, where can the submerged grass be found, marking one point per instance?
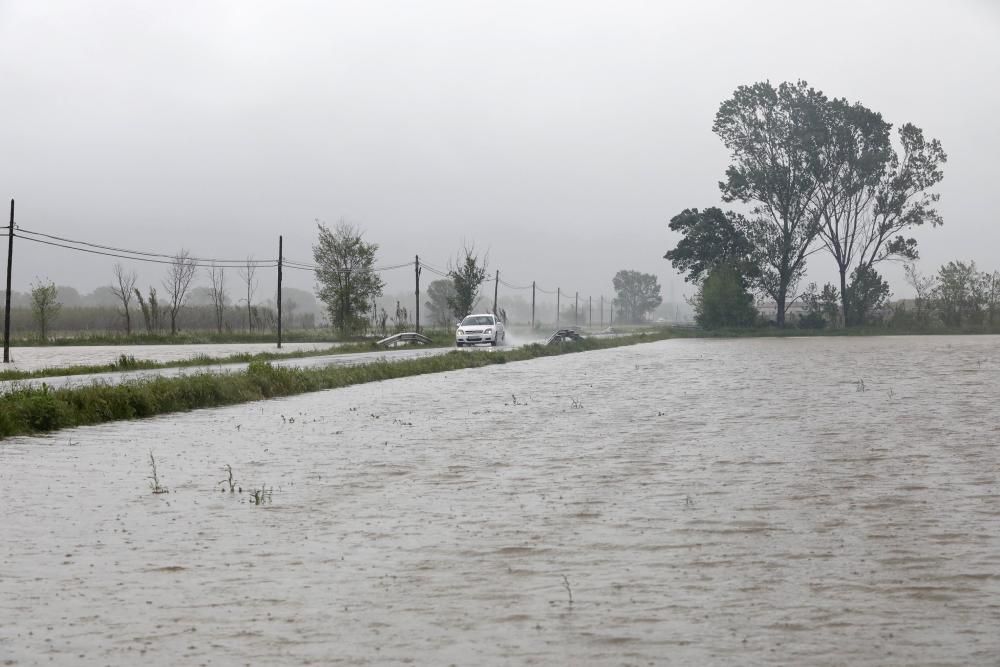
(130, 363)
(32, 410)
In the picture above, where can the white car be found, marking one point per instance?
(478, 329)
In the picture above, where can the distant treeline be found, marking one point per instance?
(108, 319)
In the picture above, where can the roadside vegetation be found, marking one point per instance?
(37, 410)
(126, 362)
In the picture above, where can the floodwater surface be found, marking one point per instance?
(36, 358)
(755, 501)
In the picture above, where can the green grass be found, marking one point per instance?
(130, 363)
(185, 338)
(27, 411)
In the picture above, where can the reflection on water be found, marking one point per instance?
(740, 502)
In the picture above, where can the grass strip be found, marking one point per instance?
(179, 338)
(37, 410)
(130, 363)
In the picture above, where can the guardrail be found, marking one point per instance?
(406, 337)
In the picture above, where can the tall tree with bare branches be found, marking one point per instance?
(178, 281)
(124, 289)
(247, 272)
(217, 290)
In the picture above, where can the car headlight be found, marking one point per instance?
(460, 332)
(488, 331)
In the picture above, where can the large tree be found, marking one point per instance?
(868, 194)
(467, 275)
(638, 295)
(710, 238)
(772, 134)
(345, 274)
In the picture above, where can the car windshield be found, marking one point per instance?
(477, 321)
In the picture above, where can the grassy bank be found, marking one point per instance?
(130, 363)
(183, 338)
(29, 411)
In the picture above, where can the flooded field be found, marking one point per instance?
(35, 358)
(757, 501)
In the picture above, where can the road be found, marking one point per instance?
(350, 359)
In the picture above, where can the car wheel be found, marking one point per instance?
(458, 345)
(493, 343)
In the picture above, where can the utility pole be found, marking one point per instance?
(590, 312)
(10, 262)
(532, 305)
(576, 310)
(611, 314)
(416, 271)
(279, 289)
(558, 297)
(496, 286)
(602, 311)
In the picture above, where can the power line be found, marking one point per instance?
(139, 252)
(507, 284)
(135, 259)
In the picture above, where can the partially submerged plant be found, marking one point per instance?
(259, 496)
(569, 590)
(229, 481)
(154, 479)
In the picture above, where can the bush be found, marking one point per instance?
(723, 301)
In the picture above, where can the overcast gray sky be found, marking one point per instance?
(559, 136)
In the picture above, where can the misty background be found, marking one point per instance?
(559, 137)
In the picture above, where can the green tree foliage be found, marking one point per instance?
(44, 306)
(709, 238)
(866, 295)
(438, 294)
(868, 194)
(822, 307)
(346, 281)
(771, 135)
(467, 276)
(638, 295)
(723, 301)
(961, 293)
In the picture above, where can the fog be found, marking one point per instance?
(560, 137)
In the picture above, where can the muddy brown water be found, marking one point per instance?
(704, 502)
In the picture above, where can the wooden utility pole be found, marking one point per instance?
(496, 286)
(602, 311)
(10, 262)
(590, 312)
(279, 289)
(532, 305)
(416, 272)
(558, 297)
(576, 310)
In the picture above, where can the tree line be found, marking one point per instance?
(816, 175)
(349, 285)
